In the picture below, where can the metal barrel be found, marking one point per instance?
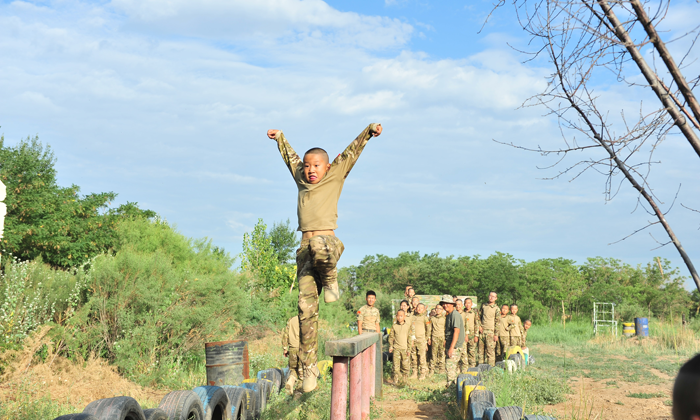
(628, 329)
(642, 326)
(227, 362)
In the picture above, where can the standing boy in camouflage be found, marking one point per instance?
(290, 346)
(490, 322)
(454, 337)
(503, 333)
(471, 335)
(437, 341)
(515, 326)
(368, 315)
(421, 324)
(401, 339)
(319, 184)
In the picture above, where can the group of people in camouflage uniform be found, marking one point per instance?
(452, 337)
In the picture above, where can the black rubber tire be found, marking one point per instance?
(259, 400)
(215, 402)
(274, 376)
(484, 367)
(182, 405)
(476, 409)
(155, 414)
(517, 358)
(386, 356)
(236, 397)
(508, 413)
(482, 395)
(285, 374)
(117, 408)
(249, 403)
(471, 381)
(501, 365)
(77, 416)
(530, 360)
(473, 369)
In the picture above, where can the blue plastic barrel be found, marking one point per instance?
(641, 327)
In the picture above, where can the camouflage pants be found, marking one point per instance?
(515, 341)
(402, 364)
(452, 362)
(503, 344)
(489, 348)
(437, 355)
(294, 365)
(316, 266)
(463, 363)
(418, 362)
(481, 350)
(472, 350)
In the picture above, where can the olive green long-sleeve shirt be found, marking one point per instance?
(317, 204)
(515, 326)
(437, 326)
(422, 326)
(490, 317)
(402, 336)
(471, 322)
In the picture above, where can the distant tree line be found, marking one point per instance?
(539, 287)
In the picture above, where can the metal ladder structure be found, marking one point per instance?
(604, 316)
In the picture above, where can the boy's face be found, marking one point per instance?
(400, 317)
(468, 305)
(492, 298)
(420, 309)
(504, 310)
(459, 306)
(527, 326)
(371, 299)
(438, 310)
(414, 301)
(315, 167)
(514, 310)
(411, 292)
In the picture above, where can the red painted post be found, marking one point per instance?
(366, 383)
(372, 360)
(339, 389)
(356, 387)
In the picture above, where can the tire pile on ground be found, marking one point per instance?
(478, 403)
(227, 402)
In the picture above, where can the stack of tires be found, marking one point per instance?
(478, 403)
(227, 402)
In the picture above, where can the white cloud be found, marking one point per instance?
(265, 20)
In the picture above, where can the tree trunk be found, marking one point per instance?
(651, 77)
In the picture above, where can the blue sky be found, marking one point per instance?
(166, 102)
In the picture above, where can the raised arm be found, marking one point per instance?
(349, 156)
(289, 156)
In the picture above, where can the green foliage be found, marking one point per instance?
(540, 287)
(31, 402)
(646, 395)
(527, 388)
(260, 259)
(32, 294)
(284, 242)
(55, 223)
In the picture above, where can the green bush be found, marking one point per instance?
(527, 388)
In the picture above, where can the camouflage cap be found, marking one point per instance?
(447, 299)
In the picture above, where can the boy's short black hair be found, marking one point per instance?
(370, 293)
(317, 151)
(527, 320)
(458, 300)
(513, 304)
(686, 390)
(505, 305)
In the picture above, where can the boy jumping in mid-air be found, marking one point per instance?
(320, 184)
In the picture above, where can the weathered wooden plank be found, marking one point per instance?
(351, 347)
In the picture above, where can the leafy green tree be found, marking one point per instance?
(284, 242)
(55, 223)
(259, 259)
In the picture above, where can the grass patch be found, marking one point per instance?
(29, 402)
(646, 395)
